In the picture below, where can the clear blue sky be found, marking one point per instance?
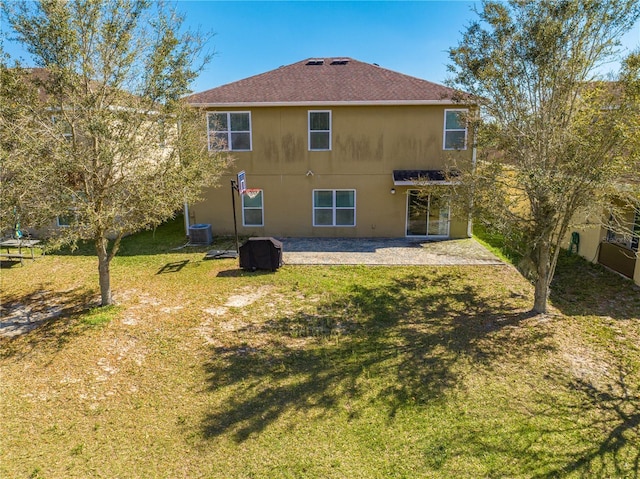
(254, 37)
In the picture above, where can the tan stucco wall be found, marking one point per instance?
(368, 143)
(591, 235)
(288, 208)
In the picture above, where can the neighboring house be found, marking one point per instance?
(337, 148)
(612, 241)
(611, 238)
(55, 124)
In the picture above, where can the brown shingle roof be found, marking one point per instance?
(327, 81)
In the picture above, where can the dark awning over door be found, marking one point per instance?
(422, 177)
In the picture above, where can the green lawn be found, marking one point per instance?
(203, 370)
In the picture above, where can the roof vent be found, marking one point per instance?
(315, 61)
(339, 61)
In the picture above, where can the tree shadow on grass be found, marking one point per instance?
(393, 344)
(597, 428)
(610, 413)
(581, 288)
(572, 428)
(43, 318)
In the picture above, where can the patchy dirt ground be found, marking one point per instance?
(20, 318)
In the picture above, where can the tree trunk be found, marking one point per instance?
(104, 261)
(541, 294)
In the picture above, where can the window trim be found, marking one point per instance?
(261, 208)
(72, 216)
(228, 130)
(61, 225)
(334, 208)
(309, 130)
(445, 130)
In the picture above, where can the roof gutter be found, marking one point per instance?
(246, 104)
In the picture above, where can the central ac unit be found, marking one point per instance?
(200, 234)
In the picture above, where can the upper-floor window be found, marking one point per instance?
(455, 130)
(319, 130)
(229, 130)
(334, 207)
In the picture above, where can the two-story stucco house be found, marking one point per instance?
(338, 148)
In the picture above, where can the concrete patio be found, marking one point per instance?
(385, 251)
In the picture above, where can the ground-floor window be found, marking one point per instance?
(64, 221)
(427, 215)
(253, 210)
(334, 207)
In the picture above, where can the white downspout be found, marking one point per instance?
(186, 219)
(473, 168)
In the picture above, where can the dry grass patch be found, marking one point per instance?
(359, 372)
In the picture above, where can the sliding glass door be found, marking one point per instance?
(427, 215)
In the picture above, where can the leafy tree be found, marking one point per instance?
(553, 139)
(98, 135)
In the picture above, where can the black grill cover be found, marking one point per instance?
(261, 253)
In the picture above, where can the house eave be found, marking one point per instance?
(330, 103)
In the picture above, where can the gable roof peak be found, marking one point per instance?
(327, 80)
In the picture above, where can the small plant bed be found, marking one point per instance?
(205, 370)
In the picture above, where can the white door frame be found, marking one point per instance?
(426, 236)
